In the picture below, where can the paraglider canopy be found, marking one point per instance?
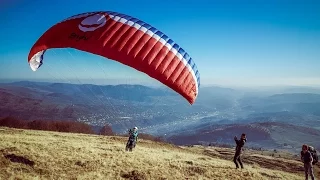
(127, 40)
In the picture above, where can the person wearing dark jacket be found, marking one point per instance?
(240, 144)
(307, 159)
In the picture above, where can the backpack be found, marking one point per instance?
(133, 136)
(314, 154)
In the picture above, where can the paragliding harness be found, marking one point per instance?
(132, 140)
(314, 154)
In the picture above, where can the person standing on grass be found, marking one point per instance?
(307, 160)
(237, 156)
(133, 138)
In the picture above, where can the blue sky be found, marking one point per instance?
(233, 43)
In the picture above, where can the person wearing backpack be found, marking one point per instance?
(307, 159)
(237, 156)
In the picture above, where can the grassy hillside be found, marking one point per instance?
(30, 154)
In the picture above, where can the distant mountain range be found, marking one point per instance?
(161, 111)
(266, 135)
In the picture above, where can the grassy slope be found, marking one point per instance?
(78, 156)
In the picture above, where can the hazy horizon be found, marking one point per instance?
(155, 84)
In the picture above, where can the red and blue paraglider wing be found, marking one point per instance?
(127, 40)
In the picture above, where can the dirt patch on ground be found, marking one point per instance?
(134, 175)
(19, 159)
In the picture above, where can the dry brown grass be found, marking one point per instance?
(280, 160)
(53, 155)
